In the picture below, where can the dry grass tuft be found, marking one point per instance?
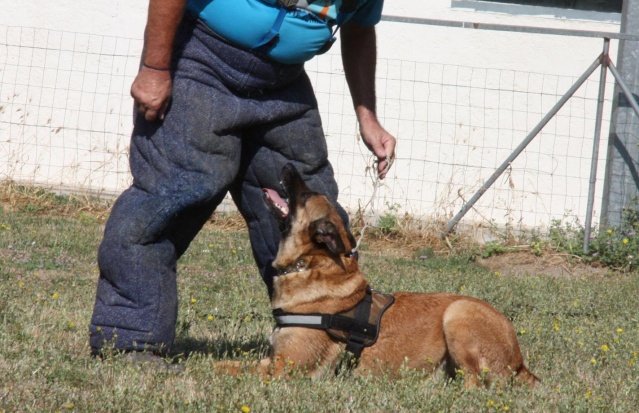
(42, 200)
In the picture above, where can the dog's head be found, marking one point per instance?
(315, 243)
(308, 218)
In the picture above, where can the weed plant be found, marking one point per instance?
(616, 247)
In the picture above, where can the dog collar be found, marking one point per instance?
(300, 265)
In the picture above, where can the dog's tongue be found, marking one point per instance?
(273, 199)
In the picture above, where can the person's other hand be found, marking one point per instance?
(151, 92)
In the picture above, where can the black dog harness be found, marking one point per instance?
(357, 327)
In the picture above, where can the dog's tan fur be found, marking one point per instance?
(419, 331)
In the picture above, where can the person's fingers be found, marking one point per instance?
(386, 160)
(150, 115)
(382, 167)
(162, 112)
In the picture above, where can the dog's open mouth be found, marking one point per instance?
(277, 204)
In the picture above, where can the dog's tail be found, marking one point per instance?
(524, 375)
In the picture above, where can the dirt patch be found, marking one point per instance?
(515, 263)
(555, 265)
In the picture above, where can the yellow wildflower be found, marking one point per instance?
(604, 347)
(245, 409)
(625, 240)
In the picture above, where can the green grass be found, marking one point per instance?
(580, 335)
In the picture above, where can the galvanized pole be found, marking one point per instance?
(621, 182)
(630, 97)
(595, 144)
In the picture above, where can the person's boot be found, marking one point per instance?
(143, 359)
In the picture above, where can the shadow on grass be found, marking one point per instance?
(186, 347)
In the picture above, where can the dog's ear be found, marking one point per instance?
(323, 231)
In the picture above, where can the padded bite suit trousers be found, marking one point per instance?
(234, 120)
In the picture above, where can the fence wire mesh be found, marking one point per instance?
(66, 117)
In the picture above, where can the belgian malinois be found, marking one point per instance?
(319, 280)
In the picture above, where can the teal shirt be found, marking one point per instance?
(302, 33)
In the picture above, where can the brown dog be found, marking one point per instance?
(319, 278)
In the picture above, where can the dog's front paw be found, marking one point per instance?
(235, 368)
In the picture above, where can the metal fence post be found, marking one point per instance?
(621, 181)
(595, 144)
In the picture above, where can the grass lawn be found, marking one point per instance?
(579, 333)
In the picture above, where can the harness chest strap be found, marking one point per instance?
(357, 327)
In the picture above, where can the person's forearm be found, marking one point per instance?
(164, 17)
(359, 56)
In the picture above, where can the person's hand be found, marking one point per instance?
(380, 143)
(151, 91)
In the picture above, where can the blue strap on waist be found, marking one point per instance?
(270, 37)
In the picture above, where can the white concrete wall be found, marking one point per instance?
(466, 70)
(407, 42)
(110, 18)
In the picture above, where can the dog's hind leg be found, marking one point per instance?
(481, 342)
